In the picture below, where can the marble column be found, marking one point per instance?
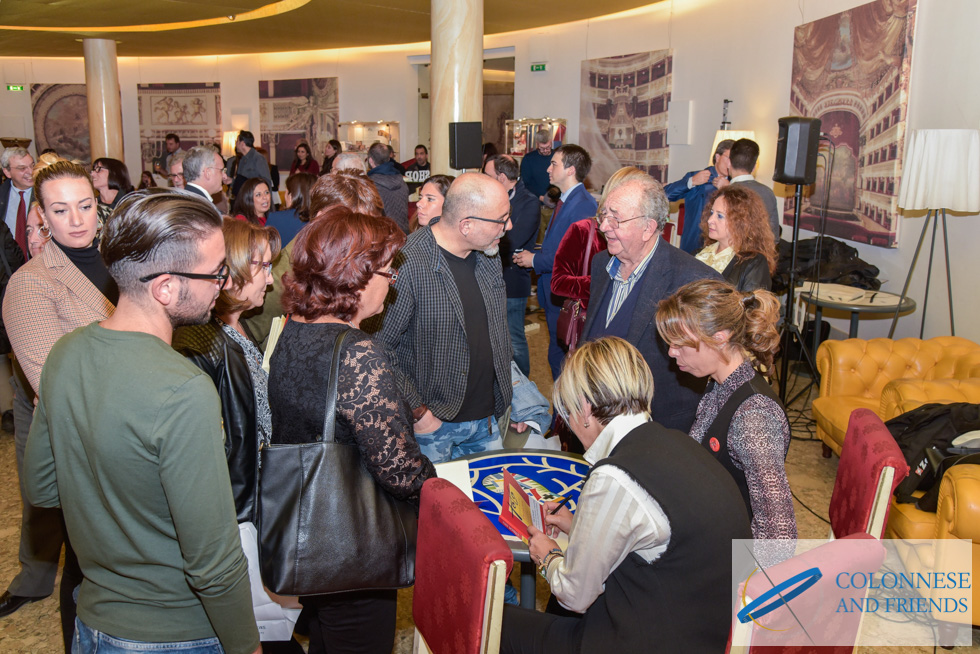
(456, 72)
(102, 88)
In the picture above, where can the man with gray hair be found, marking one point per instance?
(16, 193)
(203, 170)
(348, 161)
(630, 278)
(446, 331)
(534, 165)
(143, 481)
(176, 175)
(391, 185)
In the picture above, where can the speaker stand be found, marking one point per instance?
(790, 331)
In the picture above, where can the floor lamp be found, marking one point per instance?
(942, 171)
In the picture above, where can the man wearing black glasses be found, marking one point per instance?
(127, 440)
(446, 331)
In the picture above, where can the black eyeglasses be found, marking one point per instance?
(219, 278)
(98, 169)
(489, 220)
(392, 275)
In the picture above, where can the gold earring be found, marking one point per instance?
(585, 424)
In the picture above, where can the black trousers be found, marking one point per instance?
(359, 622)
(557, 631)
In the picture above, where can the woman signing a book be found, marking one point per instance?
(649, 545)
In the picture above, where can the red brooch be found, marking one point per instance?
(714, 444)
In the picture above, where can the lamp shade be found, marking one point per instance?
(733, 134)
(942, 170)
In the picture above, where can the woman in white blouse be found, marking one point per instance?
(649, 546)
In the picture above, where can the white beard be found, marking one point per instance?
(492, 251)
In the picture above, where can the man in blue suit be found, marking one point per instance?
(570, 164)
(628, 282)
(695, 188)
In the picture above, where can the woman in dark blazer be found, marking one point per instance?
(738, 239)
(225, 350)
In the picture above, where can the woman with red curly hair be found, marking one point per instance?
(341, 272)
(738, 239)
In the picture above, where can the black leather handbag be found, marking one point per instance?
(324, 524)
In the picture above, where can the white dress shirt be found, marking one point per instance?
(614, 517)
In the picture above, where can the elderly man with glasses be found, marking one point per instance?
(630, 278)
(446, 330)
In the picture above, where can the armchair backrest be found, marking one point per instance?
(859, 367)
(871, 467)
(903, 395)
(461, 564)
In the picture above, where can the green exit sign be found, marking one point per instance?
(15, 87)
(539, 68)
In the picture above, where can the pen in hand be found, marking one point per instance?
(560, 504)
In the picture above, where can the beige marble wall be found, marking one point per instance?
(456, 72)
(104, 110)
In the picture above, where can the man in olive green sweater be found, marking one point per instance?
(127, 440)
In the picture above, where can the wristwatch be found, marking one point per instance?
(546, 561)
(419, 412)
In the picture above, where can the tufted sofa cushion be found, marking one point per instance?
(854, 374)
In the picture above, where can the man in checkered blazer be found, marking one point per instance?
(446, 331)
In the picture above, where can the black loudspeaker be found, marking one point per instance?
(465, 145)
(796, 150)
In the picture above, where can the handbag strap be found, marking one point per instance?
(588, 249)
(329, 416)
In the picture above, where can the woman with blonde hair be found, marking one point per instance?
(738, 239)
(716, 331)
(63, 288)
(654, 507)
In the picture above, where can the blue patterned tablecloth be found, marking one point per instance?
(550, 471)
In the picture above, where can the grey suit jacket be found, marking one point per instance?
(768, 199)
(675, 394)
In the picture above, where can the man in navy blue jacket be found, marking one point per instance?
(525, 212)
(570, 164)
(695, 188)
(629, 279)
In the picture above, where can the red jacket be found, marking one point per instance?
(567, 279)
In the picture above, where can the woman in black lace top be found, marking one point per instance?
(341, 271)
(716, 331)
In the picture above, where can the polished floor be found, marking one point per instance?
(36, 627)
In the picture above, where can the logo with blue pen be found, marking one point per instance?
(777, 596)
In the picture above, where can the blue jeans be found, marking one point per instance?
(455, 439)
(92, 641)
(515, 322)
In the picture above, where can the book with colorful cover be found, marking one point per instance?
(520, 508)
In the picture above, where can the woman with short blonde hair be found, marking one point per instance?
(716, 331)
(654, 507)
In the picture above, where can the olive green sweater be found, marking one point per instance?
(127, 440)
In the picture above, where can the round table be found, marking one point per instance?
(559, 473)
(870, 302)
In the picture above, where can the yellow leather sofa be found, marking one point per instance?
(957, 516)
(890, 377)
